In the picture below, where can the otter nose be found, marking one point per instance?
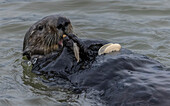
(62, 23)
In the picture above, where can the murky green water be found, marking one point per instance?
(142, 26)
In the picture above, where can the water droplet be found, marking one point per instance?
(29, 63)
(34, 60)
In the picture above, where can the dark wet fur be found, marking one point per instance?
(120, 79)
(116, 79)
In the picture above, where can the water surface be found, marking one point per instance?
(143, 26)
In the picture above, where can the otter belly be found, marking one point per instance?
(120, 78)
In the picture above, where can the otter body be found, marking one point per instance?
(119, 78)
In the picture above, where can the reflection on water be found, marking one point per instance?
(142, 26)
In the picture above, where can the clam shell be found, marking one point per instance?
(76, 51)
(110, 47)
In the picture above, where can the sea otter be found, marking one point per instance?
(120, 78)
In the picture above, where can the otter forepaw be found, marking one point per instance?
(70, 43)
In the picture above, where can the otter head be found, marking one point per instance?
(45, 36)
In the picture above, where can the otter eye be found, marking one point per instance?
(66, 24)
(40, 28)
(60, 26)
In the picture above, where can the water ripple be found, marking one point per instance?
(142, 26)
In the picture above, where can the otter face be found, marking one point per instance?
(45, 36)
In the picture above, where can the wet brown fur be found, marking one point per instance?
(44, 36)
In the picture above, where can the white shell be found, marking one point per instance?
(76, 51)
(110, 47)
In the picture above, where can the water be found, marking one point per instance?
(142, 26)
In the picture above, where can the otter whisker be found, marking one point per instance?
(48, 43)
(45, 40)
(54, 39)
(45, 44)
(51, 42)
